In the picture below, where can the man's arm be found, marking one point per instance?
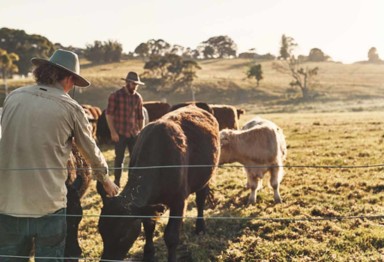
(92, 154)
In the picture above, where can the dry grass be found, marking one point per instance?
(342, 127)
(315, 187)
(224, 81)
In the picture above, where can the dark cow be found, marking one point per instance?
(156, 109)
(201, 105)
(178, 141)
(103, 134)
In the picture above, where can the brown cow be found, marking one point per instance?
(228, 116)
(156, 109)
(179, 141)
(201, 105)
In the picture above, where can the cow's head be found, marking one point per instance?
(225, 150)
(117, 226)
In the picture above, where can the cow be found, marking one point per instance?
(261, 147)
(201, 105)
(156, 109)
(228, 116)
(103, 134)
(173, 157)
(93, 113)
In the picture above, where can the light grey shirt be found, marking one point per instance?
(38, 123)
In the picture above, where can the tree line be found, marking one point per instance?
(168, 67)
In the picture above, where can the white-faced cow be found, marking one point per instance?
(260, 146)
(162, 174)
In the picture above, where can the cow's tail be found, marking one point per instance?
(211, 201)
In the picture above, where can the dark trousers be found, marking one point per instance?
(120, 147)
(17, 235)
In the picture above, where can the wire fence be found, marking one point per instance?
(200, 166)
(260, 218)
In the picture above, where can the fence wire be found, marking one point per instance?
(199, 166)
(273, 219)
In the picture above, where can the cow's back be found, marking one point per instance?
(202, 132)
(169, 148)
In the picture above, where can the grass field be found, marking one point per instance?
(334, 184)
(332, 193)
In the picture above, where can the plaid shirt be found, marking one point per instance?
(127, 110)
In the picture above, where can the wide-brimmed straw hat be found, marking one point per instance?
(66, 60)
(133, 77)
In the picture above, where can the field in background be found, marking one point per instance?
(224, 81)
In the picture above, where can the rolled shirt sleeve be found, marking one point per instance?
(88, 148)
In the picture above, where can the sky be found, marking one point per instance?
(343, 29)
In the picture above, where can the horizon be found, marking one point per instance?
(344, 30)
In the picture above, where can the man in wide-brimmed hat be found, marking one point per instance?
(38, 123)
(124, 116)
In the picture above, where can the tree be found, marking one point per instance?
(316, 55)
(25, 46)
(158, 47)
(99, 52)
(112, 51)
(303, 77)
(287, 46)
(373, 56)
(95, 52)
(177, 50)
(256, 72)
(142, 50)
(171, 72)
(7, 66)
(218, 47)
(209, 52)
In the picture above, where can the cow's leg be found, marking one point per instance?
(256, 184)
(149, 248)
(172, 231)
(253, 183)
(201, 197)
(276, 177)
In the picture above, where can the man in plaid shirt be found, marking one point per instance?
(124, 116)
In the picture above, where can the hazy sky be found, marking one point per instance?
(342, 29)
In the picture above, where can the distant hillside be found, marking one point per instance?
(225, 81)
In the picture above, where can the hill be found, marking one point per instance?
(338, 87)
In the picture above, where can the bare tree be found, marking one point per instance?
(303, 77)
